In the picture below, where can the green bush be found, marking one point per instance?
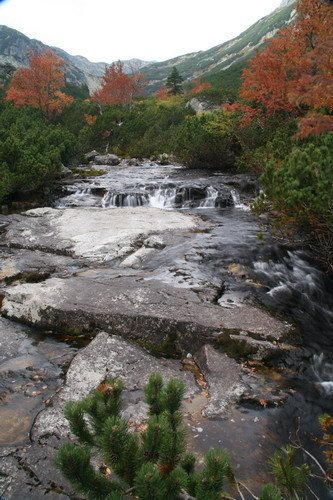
(263, 144)
(31, 151)
(73, 116)
(301, 182)
(153, 464)
(208, 140)
(149, 465)
(145, 129)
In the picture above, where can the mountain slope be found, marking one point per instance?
(15, 48)
(224, 56)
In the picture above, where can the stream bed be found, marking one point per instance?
(231, 262)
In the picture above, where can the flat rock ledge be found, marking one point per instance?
(94, 234)
(125, 304)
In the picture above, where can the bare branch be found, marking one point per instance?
(313, 493)
(246, 488)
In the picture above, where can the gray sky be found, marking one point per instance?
(107, 30)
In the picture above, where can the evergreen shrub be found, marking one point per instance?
(153, 464)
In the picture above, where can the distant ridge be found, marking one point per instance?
(15, 48)
(235, 52)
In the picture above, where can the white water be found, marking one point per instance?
(300, 286)
(211, 195)
(237, 202)
(114, 200)
(163, 198)
(292, 274)
(323, 372)
(81, 197)
(168, 198)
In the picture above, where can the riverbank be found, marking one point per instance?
(173, 272)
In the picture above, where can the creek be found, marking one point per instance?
(241, 264)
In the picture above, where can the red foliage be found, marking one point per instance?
(162, 94)
(118, 87)
(248, 113)
(294, 73)
(314, 124)
(267, 79)
(39, 85)
(200, 86)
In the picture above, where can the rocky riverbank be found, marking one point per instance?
(156, 290)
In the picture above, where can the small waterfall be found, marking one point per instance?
(323, 372)
(163, 198)
(211, 197)
(118, 200)
(237, 201)
(82, 192)
(79, 198)
(186, 197)
(170, 197)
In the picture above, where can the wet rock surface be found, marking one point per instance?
(134, 308)
(93, 234)
(21, 265)
(175, 282)
(30, 372)
(223, 376)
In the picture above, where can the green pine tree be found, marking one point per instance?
(174, 82)
(153, 464)
(150, 465)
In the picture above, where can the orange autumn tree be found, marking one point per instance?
(162, 94)
(117, 86)
(200, 86)
(266, 81)
(314, 88)
(39, 85)
(294, 74)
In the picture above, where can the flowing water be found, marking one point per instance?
(283, 279)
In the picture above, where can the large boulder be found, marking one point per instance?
(108, 159)
(91, 155)
(200, 106)
(110, 357)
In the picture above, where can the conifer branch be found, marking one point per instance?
(153, 464)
